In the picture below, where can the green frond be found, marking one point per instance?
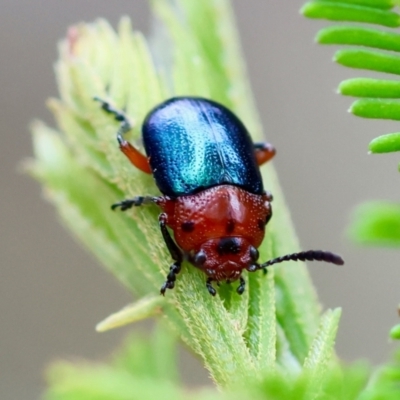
(359, 36)
(351, 11)
(395, 332)
(369, 60)
(386, 143)
(386, 382)
(366, 57)
(377, 50)
(367, 87)
(376, 108)
(377, 222)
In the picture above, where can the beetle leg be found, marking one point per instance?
(135, 156)
(135, 202)
(174, 269)
(210, 288)
(175, 252)
(264, 152)
(241, 286)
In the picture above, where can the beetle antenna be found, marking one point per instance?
(309, 255)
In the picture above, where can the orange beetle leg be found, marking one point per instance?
(135, 156)
(264, 152)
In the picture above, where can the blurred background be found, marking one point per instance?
(52, 293)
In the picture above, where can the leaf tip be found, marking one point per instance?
(395, 332)
(144, 308)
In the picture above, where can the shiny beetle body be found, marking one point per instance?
(207, 168)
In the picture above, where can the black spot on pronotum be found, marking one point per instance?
(187, 226)
(228, 245)
(261, 224)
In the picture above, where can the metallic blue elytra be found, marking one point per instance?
(193, 144)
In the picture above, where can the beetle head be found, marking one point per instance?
(224, 259)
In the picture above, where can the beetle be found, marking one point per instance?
(207, 168)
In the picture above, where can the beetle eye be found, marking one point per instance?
(254, 254)
(199, 258)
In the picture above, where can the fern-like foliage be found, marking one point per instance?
(375, 49)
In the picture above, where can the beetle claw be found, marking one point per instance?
(174, 269)
(241, 287)
(210, 288)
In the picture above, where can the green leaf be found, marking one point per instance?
(395, 332)
(79, 208)
(103, 383)
(386, 382)
(366, 87)
(321, 352)
(323, 344)
(376, 108)
(340, 11)
(385, 143)
(376, 223)
(261, 334)
(339, 382)
(360, 36)
(375, 93)
(383, 4)
(345, 382)
(131, 374)
(146, 307)
(370, 60)
(285, 359)
(297, 307)
(152, 356)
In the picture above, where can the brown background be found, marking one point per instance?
(52, 293)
